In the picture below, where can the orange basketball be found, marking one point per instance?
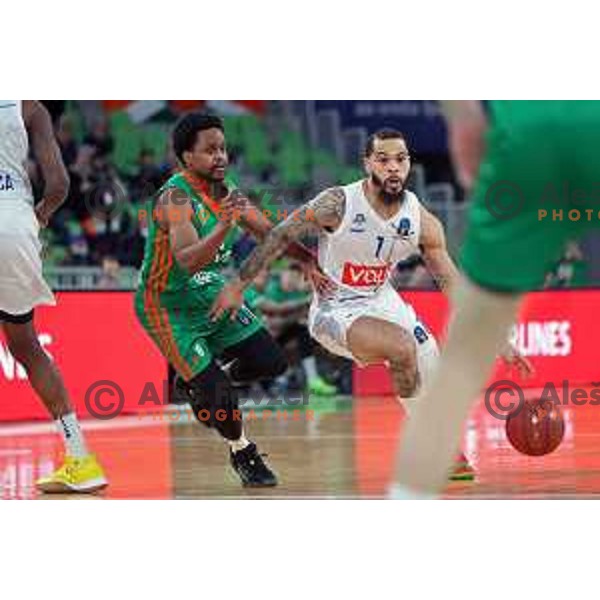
(537, 428)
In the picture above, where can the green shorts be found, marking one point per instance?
(538, 187)
(179, 325)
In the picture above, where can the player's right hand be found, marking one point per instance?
(323, 285)
(230, 209)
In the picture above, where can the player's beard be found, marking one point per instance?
(218, 188)
(210, 176)
(216, 185)
(387, 197)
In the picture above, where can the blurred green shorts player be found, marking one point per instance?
(533, 168)
(537, 188)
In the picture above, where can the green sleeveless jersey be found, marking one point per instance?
(540, 167)
(160, 271)
(173, 305)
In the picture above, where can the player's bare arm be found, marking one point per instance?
(191, 251)
(435, 252)
(47, 154)
(467, 125)
(324, 213)
(444, 271)
(253, 220)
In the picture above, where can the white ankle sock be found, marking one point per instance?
(310, 367)
(68, 427)
(401, 492)
(239, 444)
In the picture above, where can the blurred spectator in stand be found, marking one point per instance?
(168, 164)
(66, 141)
(148, 179)
(137, 242)
(78, 250)
(80, 173)
(100, 139)
(110, 225)
(110, 279)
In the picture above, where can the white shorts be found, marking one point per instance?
(22, 285)
(330, 320)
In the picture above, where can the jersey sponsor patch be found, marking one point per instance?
(404, 227)
(364, 275)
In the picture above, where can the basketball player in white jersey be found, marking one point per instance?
(22, 287)
(364, 230)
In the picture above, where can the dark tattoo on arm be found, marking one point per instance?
(329, 208)
(442, 281)
(324, 212)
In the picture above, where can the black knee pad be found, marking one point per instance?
(255, 358)
(215, 402)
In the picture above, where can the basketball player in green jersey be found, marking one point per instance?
(533, 169)
(191, 230)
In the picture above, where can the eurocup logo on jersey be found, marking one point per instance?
(358, 223)
(403, 228)
(364, 275)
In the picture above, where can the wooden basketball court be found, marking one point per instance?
(338, 448)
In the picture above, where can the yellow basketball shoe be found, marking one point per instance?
(76, 475)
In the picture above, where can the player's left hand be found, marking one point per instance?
(322, 284)
(230, 299)
(513, 358)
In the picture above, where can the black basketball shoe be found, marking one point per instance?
(181, 393)
(251, 468)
